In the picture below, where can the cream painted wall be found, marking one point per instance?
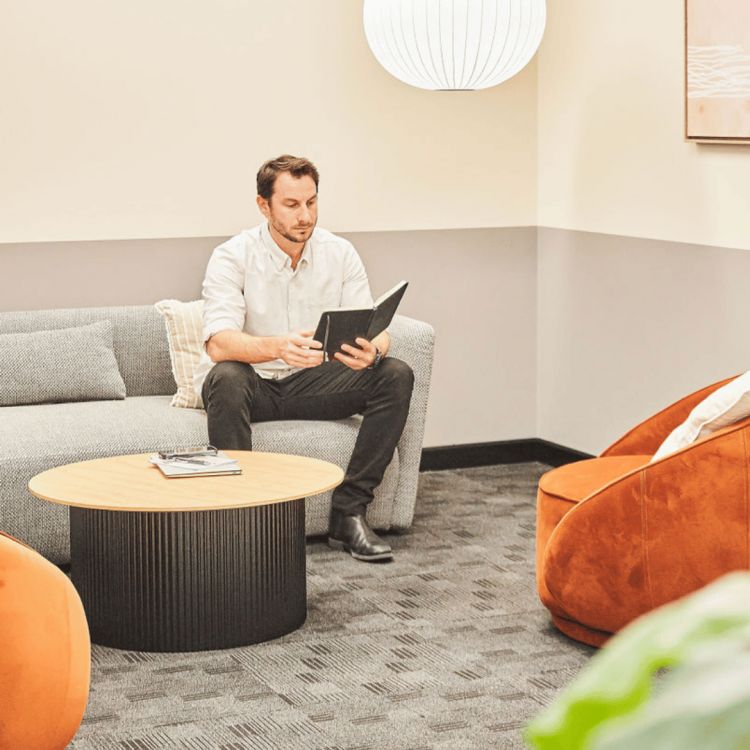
(645, 304)
(136, 119)
(612, 155)
(120, 124)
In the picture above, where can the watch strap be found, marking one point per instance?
(378, 359)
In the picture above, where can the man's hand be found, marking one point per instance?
(357, 357)
(300, 350)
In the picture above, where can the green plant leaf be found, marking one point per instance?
(618, 680)
(704, 704)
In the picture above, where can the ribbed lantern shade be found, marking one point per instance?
(454, 44)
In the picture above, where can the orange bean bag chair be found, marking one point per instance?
(45, 655)
(618, 536)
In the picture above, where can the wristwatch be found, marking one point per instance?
(378, 359)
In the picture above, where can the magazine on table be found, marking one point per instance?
(197, 462)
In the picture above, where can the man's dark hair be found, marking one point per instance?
(297, 166)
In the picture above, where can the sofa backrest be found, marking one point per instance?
(140, 341)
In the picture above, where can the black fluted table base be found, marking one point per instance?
(192, 580)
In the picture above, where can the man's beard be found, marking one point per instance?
(289, 236)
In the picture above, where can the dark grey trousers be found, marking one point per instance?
(235, 396)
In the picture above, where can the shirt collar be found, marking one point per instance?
(279, 258)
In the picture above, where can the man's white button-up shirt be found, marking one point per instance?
(250, 286)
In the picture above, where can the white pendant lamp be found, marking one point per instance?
(454, 44)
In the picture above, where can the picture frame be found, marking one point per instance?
(717, 71)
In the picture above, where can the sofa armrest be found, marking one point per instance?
(646, 437)
(413, 342)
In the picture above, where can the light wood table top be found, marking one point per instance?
(132, 483)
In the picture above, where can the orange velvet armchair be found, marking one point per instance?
(45, 654)
(618, 536)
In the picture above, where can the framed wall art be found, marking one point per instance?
(717, 70)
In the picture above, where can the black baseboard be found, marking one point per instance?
(500, 452)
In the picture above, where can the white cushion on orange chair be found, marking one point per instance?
(723, 407)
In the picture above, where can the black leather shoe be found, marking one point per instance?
(351, 533)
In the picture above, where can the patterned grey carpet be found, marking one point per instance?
(446, 647)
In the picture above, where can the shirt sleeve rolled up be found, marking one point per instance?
(223, 292)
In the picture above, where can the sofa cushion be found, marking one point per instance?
(721, 408)
(184, 323)
(576, 481)
(66, 364)
(140, 340)
(36, 438)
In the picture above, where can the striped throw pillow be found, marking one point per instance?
(184, 322)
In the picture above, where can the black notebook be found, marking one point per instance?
(344, 325)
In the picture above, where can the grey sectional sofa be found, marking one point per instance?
(38, 437)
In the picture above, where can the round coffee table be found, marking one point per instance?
(188, 564)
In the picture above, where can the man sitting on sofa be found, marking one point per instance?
(264, 292)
